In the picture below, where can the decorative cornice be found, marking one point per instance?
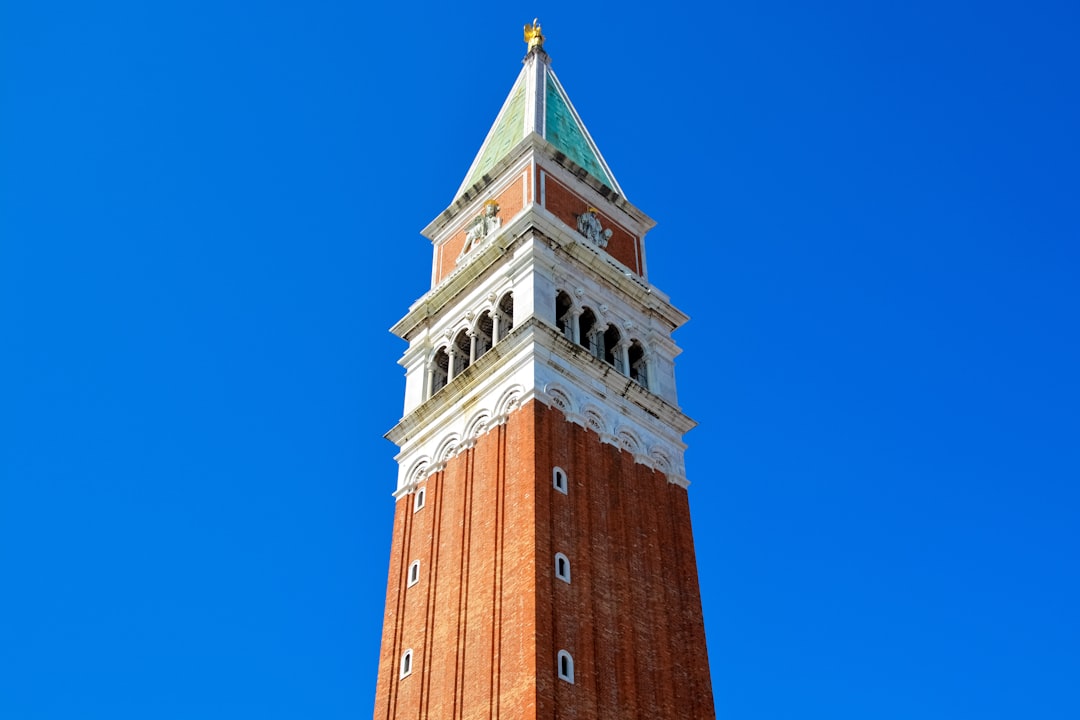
(433, 303)
(606, 268)
(532, 146)
(535, 362)
(557, 237)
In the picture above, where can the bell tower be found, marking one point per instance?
(542, 564)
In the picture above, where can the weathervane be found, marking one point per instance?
(533, 38)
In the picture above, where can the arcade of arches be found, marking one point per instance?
(579, 324)
(468, 345)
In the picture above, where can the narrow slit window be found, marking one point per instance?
(566, 666)
(562, 567)
(406, 663)
(419, 499)
(414, 573)
(558, 480)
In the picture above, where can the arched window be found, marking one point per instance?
(440, 370)
(506, 315)
(406, 663)
(612, 351)
(586, 329)
(484, 328)
(419, 499)
(566, 666)
(462, 352)
(639, 371)
(564, 318)
(414, 573)
(558, 480)
(562, 567)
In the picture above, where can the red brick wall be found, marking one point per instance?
(446, 254)
(488, 617)
(470, 619)
(631, 616)
(565, 205)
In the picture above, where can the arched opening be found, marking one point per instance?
(462, 352)
(440, 370)
(406, 663)
(612, 351)
(566, 666)
(562, 567)
(484, 328)
(564, 315)
(587, 327)
(639, 370)
(506, 315)
(558, 480)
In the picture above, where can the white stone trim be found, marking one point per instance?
(535, 256)
(560, 480)
(491, 131)
(530, 370)
(448, 447)
(565, 577)
(533, 149)
(568, 676)
(585, 131)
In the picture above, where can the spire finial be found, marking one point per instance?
(533, 38)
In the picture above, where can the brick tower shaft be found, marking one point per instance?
(542, 563)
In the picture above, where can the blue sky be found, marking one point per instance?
(210, 215)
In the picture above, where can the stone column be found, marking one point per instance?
(596, 340)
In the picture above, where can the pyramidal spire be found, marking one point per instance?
(538, 104)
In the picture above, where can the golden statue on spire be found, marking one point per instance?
(533, 38)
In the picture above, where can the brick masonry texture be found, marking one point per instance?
(446, 254)
(564, 204)
(488, 617)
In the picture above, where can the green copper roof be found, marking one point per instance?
(537, 103)
(563, 129)
(508, 131)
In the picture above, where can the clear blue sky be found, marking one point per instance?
(210, 215)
